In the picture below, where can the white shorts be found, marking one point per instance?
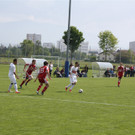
(12, 79)
(73, 79)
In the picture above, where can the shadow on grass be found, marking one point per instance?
(3, 91)
(60, 91)
(30, 95)
(111, 86)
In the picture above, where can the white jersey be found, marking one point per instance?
(51, 66)
(73, 71)
(12, 69)
(73, 74)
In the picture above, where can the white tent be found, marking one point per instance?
(22, 61)
(98, 68)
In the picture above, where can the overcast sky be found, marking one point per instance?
(49, 18)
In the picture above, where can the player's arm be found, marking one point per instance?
(35, 69)
(16, 75)
(36, 79)
(47, 72)
(25, 67)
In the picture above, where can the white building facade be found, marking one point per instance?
(34, 37)
(84, 47)
(109, 57)
(132, 46)
(61, 45)
(48, 45)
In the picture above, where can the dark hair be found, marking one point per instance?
(33, 60)
(14, 60)
(76, 63)
(45, 63)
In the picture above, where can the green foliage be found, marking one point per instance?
(125, 56)
(76, 37)
(107, 42)
(27, 48)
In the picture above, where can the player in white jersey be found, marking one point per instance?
(73, 77)
(12, 76)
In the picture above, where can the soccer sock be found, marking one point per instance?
(69, 85)
(45, 88)
(118, 82)
(22, 83)
(39, 87)
(72, 87)
(15, 86)
(10, 86)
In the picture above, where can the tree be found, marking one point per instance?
(107, 42)
(27, 48)
(125, 56)
(76, 37)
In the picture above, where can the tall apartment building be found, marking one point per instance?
(48, 45)
(34, 37)
(84, 47)
(61, 45)
(132, 46)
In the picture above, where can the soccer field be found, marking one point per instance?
(102, 109)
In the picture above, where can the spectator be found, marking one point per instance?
(125, 71)
(128, 71)
(57, 72)
(84, 73)
(112, 74)
(62, 72)
(50, 68)
(107, 73)
(134, 69)
(114, 68)
(86, 68)
(131, 71)
(78, 72)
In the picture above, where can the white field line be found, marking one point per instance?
(71, 101)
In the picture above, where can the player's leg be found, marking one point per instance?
(74, 81)
(39, 87)
(46, 87)
(73, 84)
(23, 82)
(119, 79)
(15, 85)
(66, 88)
(10, 86)
(71, 81)
(29, 79)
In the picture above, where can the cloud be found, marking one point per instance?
(21, 18)
(39, 4)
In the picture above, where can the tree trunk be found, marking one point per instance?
(71, 57)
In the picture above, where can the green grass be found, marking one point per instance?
(102, 109)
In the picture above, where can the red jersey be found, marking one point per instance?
(43, 72)
(30, 69)
(120, 70)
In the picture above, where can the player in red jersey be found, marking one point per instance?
(120, 72)
(43, 73)
(29, 77)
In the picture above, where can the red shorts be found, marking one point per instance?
(43, 80)
(120, 76)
